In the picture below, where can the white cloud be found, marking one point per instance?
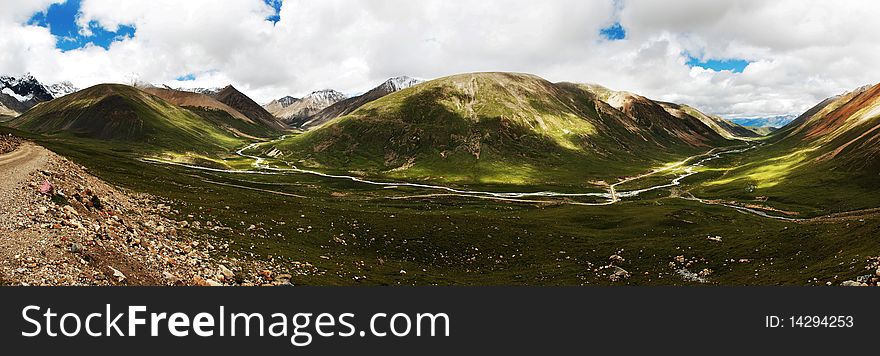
(801, 51)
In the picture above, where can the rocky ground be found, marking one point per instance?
(872, 278)
(8, 143)
(60, 225)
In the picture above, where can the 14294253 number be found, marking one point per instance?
(817, 321)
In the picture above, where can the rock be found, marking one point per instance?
(877, 272)
(251, 228)
(170, 277)
(679, 259)
(619, 274)
(853, 284)
(402, 272)
(46, 188)
(70, 211)
(118, 274)
(226, 272)
(716, 238)
(75, 247)
(616, 259)
(213, 283)
(199, 281)
(705, 272)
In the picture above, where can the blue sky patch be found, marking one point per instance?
(60, 19)
(275, 4)
(733, 64)
(186, 77)
(614, 32)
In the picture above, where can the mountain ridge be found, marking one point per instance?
(450, 125)
(349, 105)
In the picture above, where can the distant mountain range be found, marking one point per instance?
(346, 106)
(325, 105)
(773, 121)
(296, 111)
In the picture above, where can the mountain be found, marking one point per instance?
(5, 112)
(773, 121)
(221, 114)
(17, 95)
(205, 91)
(667, 120)
(299, 111)
(10, 106)
(247, 106)
(121, 113)
(762, 131)
(827, 159)
(346, 106)
(723, 127)
(501, 127)
(279, 104)
(61, 89)
(844, 129)
(26, 89)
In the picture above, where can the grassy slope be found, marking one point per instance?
(488, 128)
(126, 116)
(247, 106)
(825, 161)
(463, 241)
(212, 110)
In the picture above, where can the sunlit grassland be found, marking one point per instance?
(462, 240)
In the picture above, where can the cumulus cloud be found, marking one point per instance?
(799, 51)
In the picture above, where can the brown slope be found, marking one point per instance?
(842, 131)
(723, 127)
(190, 99)
(299, 112)
(654, 118)
(11, 106)
(247, 106)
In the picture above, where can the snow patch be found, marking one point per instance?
(21, 98)
(400, 83)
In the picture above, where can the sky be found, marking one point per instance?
(749, 58)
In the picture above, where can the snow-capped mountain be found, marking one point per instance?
(347, 106)
(324, 97)
(61, 89)
(279, 104)
(287, 101)
(299, 110)
(22, 93)
(205, 91)
(25, 89)
(399, 83)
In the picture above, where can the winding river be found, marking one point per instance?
(611, 197)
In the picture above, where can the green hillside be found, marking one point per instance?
(497, 128)
(125, 115)
(827, 160)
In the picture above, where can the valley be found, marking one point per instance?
(489, 179)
